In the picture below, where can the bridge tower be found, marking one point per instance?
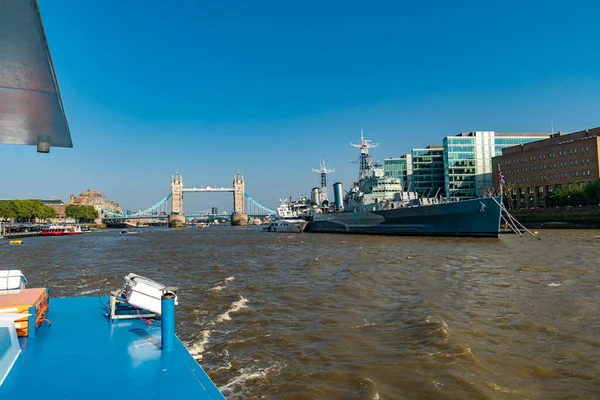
(239, 216)
(177, 218)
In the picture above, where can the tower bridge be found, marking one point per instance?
(177, 217)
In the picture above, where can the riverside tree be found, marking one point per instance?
(575, 195)
(81, 213)
(26, 210)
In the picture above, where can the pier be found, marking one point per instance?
(19, 231)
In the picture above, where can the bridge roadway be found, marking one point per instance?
(207, 189)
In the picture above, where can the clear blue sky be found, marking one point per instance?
(270, 87)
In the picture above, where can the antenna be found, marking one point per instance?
(323, 170)
(365, 159)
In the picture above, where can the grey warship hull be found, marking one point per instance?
(476, 218)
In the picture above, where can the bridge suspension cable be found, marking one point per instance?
(140, 213)
(259, 206)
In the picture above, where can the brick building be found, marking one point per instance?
(57, 205)
(531, 170)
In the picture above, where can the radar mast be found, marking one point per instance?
(323, 170)
(365, 159)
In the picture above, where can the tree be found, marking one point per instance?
(81, 213)
(591, 192)
(566, 196)
(7, 209)
(26, 210)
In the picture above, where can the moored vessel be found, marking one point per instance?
(286, 220)
(379, 205)
(62, 230)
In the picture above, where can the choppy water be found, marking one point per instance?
(315, 316)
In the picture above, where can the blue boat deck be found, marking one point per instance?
(83, 356)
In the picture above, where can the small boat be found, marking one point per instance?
(281, 225)
(15, 242)
(286, 221)
(61, 230)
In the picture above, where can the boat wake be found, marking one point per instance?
(235, 306)
(197, 345)
(222, 284)
(247, 375)
(197, 348)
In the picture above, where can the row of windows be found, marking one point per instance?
(534, 178)
(540, 189)
(543, 166)
(572, 150)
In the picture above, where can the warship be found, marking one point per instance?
(377, 204)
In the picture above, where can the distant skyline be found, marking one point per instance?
(269, 88)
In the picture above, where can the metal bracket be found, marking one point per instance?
(120, 309)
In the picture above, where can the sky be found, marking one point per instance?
(270, 88)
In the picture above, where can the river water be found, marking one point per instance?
(318, 316)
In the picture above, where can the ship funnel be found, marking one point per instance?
(314, 197)
(337, 196)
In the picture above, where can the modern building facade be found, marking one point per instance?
(468, 167)
(401, 168)
(428, 171)
(531, 170)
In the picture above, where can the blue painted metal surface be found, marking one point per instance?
(83, 356)
(167, 308)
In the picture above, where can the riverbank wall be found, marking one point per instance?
(577, 217)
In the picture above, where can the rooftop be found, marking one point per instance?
(553, 140)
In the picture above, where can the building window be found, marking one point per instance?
(586, 148)
(582, 149)
(575, 150)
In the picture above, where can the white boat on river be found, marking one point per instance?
(286, 221)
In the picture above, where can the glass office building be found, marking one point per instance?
(428, 171)
(400, 168)
(468, 169)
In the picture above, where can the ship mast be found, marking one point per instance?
(323, 170)
(365, 159)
